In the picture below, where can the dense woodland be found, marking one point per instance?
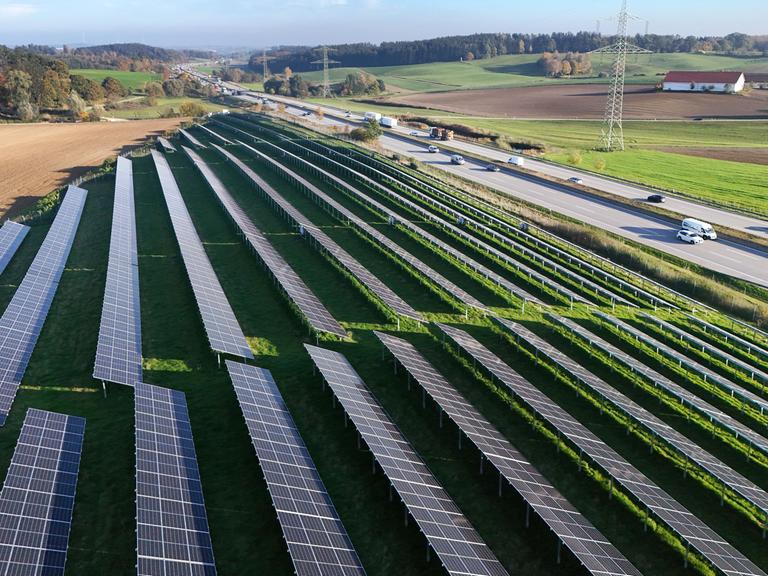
(476, 46)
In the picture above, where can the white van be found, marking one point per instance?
(517, 161)
(703, 229)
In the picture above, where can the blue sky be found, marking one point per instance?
(256, 23)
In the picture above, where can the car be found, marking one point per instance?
(347, 114)
(690, 237)
(656, 198)
(575, 180)
(457, 159)
(307, 114)
(415, 133)
(492, 168)
(433, 149)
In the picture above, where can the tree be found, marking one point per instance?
(521, 46)
(18, 86)
(90, 90)
(113, 88)
(155, 90)
(566, 69)
(76, 105)
(469, 56)
(174, 88)
(287, 72)
(192, 109)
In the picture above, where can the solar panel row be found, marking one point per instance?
(310, 306)
(25, 315)
(372, 232)
(585, 541)
(12, 234)
(713, 414)
(172, 534)
(690, 529)
(214, 134)
(371, 282)
(39, 494)
(744, 344)
(317, 540)
(449, 533)
(224, 333)
(693, 454)
(118, 353)
(192, 140)
(166, 145)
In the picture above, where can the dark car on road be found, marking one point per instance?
(492, 168)
(657, 199)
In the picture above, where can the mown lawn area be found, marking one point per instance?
(131, 80)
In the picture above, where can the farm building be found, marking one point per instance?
(726, 82)
(757, 80)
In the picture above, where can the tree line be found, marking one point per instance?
(358, 83)
(476, 46)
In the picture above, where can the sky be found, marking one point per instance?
(260, 23)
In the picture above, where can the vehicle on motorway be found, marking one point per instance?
(372, 116)
(457, 159)
(492, 168)
(703, 229)
(415, 133)
(347, 114)
(433, 149)
(516, 160)
(657, 198)
(307, 113)
(689, 236)
(388, 122)
(575, 180)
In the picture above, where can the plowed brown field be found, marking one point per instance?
(37, 158)
(587, 101)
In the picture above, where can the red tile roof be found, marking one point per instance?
(704, 77)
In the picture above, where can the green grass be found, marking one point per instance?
(131, 80)
(163, 104)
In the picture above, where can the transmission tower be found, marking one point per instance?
(612, 137)
(265, 64)
(326, 76)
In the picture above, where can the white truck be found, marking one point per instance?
(375, 116)
(703, 229)
(388, 122)
(516, 161)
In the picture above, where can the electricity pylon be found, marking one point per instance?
(265, 64)
(326, 76)
(612, 137)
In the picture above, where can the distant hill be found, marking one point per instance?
(136, 51)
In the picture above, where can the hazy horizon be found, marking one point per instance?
(258, 23)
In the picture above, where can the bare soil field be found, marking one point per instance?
(37, 158)
(746, 155)
(587, 101)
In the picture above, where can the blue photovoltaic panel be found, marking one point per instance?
(12, 234)
(317, 540)
(172, 534)
(194, 141)
(38, 495)
(224, 333)
(118, 353)
(24, 317)
(457, 544)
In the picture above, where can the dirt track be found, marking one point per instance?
(37, 158)
(587, 101)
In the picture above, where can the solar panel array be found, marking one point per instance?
(683, 395)
(167, 146)
(729, 359)
(585, 541)
(317, 540)
(192, 140)
(172, 534)
(214, 134)
(456, 543)
(666, 509)
(118, 353)
(372, 232)
(376, 286)
(224, 333)
(746, 345)
(690, 450)
(318, 317)
(12, 234)
(24, 317)
(39, 494)
(695, 367)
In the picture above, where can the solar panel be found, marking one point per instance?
(369, 230)
(172, 534)
(684, 396)
(639, 415)
(729, 359)
(656, 501)
(317, 540)
(224, 333)
(12, 234)
(371, 282)
(118, 353)
(192, 140)
(585, 541)
(683, 360)
(39, 494)
(746, 345)
(214, 134)
(305, 300)
(24, 317)
(167, 146)
(449, 533)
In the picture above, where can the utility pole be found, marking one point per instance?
(612, 136)
(326, 76)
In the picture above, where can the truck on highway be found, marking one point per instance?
(703, 229)
(438, 133)
(388, 122)
(375, 116)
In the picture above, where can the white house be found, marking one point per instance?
(726, 82)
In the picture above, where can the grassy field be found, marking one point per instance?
(132, 80)
(520, 70)
(163, 105)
